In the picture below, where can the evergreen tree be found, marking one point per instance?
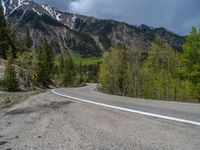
(191, 59)
(66, 69)
(7, 37)
(10, 78)
(3, 34)
(43, 64)
(22, 46)
(81, 75)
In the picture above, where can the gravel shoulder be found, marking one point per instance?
(8, 99)
(49, 122)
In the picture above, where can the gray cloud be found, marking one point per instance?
(175, 15)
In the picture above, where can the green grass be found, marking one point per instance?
(86, 60)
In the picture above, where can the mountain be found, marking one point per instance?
(28, 16)
(87, 36)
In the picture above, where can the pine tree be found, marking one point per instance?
(22, 46)
(3, 34)
(191, 59)
(43, 64)
(66, 69)
(7, 37)
(81, 75)
(10, 78)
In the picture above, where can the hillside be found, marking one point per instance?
(84, 35)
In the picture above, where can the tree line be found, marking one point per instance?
(158, 73)
(49, 67)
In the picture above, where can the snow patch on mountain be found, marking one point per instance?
(25, 3)
(49, 9)
(19, 2)
(74, 18)
(52, 11)
(10, 6)
(72, 21)
(36, 11)
(4, 7)
(17, 5)
(14, 9)
(58, 17)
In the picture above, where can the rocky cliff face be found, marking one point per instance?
(87, 36)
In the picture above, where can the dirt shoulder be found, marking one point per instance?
(8, 99)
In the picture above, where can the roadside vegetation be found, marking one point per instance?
(158, 73)
(162, 73)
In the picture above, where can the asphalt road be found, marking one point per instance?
(175, 111)
(50, 122)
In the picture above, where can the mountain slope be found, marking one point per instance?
(41, 26)
(109, 31)
(87, 36)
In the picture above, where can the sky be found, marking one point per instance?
(175, 15)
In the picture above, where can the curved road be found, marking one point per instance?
(168, 111)
(84, 119)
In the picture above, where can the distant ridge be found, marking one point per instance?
(87, 36)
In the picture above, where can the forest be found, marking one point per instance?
(160, 73)
(50, 68)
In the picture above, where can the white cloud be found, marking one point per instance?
(97, 8)
(82, 6)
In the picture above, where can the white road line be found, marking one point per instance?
(131, 110)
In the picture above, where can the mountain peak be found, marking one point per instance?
(54, 12)
(87, 36)
(10, 6)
